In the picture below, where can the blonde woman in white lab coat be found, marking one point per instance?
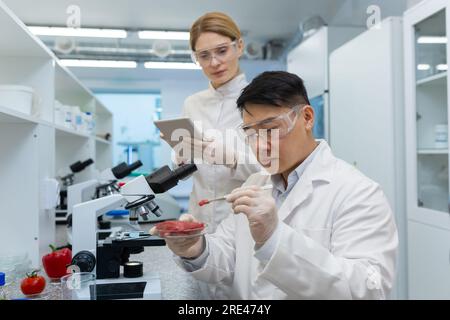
(216, 47)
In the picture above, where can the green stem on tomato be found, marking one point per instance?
(33, 274)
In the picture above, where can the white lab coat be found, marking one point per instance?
(337, 227)
(216, 109)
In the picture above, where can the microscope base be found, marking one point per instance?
(147, 287)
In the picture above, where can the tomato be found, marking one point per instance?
(32, 284)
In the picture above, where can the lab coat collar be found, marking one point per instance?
(320, 169)
(231, 88)
(295, 175)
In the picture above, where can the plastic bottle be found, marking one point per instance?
(68, 116)
(76, 118)
(2, 287)
(89, 122)
(60, 115)
(93, 124)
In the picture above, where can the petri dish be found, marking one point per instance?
(175, 235)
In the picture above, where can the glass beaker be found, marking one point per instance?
(79, 286)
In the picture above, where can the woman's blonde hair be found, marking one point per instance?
(216, 22)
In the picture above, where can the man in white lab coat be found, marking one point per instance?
(324, 230)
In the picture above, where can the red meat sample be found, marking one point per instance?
(179, 228)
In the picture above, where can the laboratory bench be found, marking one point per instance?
(175, 283)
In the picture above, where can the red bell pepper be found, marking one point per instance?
(56, 262)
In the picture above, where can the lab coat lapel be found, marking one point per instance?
(320, 169)
(301, 192)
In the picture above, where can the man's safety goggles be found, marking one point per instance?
(274, 127)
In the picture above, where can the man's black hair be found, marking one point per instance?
(276, 88)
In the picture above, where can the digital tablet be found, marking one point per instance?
(185, 126)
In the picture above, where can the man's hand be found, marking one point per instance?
(259, 208)
(184, 247)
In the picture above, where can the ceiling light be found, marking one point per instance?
(164, 35)
(442, 67)
(98, 63)
(432, 40)
(78, 32)
(171, 65)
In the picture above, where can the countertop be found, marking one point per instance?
(176, 284)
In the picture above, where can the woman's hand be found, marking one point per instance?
(210, 151)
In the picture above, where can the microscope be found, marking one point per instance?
(104, 185)
(67, 178)
(106, 257)
(108, 178)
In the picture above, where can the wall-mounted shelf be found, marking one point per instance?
(102, 141)
(432, 151)
(70, 91)
(62, 131)
(440, 77)
(8, 115)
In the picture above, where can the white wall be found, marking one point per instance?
(133, 121)
(411, 3)
(354, 12)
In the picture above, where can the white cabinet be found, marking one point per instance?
(426, 32)
(26, 227)
(429, 261)
(33, 148)
(309, 60)
(366, 123)
(426, 102)
(103, 147)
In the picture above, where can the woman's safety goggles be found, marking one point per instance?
(271, 128)
(222, 53)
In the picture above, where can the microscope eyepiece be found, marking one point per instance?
(135, 165)
(122, 170)
(185, 170)
(165, 179)
(80, 166)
